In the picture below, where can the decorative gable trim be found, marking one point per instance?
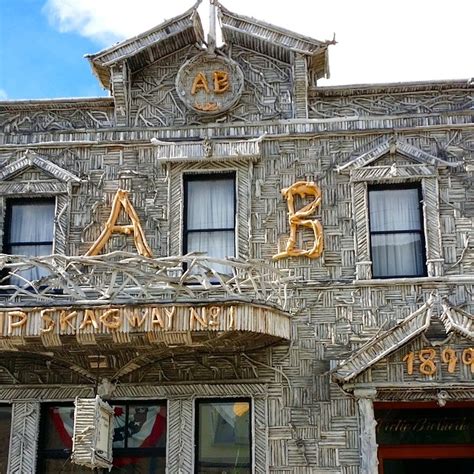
(151, 45)
(458, 321)
(385, 343)
(273, 41)
(393, 146)
(394, 173)
(453, 319)
(31, 159)
(208, 150)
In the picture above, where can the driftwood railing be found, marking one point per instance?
(121, 277)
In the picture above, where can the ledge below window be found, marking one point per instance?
(413, 280)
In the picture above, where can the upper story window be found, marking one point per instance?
(223, 436)
(29, 230)
(396, 231)
(209, 215)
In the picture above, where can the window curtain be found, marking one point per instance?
(210, 219)
(30, 224)
(395, 250)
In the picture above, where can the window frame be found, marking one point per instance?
(427, 177)
(421, 231)
(203, 400)
(244, 192)
(9, 202)
(45, 453)
(218, 175)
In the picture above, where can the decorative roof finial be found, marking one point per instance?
(211, 37)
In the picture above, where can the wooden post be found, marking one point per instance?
(24, 438)
(367, 424)
(300, 74)
(180, 446)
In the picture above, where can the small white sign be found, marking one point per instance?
(93, 433)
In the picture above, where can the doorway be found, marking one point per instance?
(422, 437)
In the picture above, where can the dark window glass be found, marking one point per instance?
(431, 466)
(425, 426)
(418, 439)
(5, 425)
(396, 232)
(139, 444)
(29, 231)
(223, 437)
(209, 224)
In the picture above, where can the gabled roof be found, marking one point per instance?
(32, 160)
(186, 29)
(273, 40)
(393, 146)
(382, 345)
(149, 46)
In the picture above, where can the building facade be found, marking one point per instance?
(257, 273)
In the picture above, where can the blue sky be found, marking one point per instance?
(37, 60)
(42, 42)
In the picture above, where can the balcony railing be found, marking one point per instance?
(121, 277)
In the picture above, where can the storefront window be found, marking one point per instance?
(5, 424)
(139, 445)
(223, 437)
(421, 438)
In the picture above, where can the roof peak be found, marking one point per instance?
(186, 29)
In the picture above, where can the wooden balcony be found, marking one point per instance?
(127, 302)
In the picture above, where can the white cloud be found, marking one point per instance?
(3, 94)
(377, 41)
(108, 21)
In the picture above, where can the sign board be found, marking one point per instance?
(93, 433)
(210, 83)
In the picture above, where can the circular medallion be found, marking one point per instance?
(209, 84)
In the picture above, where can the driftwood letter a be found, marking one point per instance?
(121, 201)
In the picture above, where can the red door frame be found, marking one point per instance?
(417, 451)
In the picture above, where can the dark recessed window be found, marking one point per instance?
(29, 230)
(139, 443)
(209, 215)
(5, 426)
(396, 231)
(223, 436)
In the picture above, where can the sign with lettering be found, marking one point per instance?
(429, 361)
(210, 83)
(107, 319)
(85, 323)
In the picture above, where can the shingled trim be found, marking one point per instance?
(453, 319)
(188, 21)
(385, 343)
(394, 146)
(273, 40)
(31, 159)
(131, 46)
(271, 33)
